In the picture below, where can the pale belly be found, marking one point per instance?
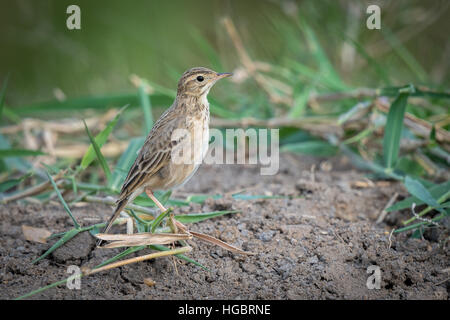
(176, 174)
(187, 171)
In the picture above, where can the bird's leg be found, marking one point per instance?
(156, 201)
(176, 224)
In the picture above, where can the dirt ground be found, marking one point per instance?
(316, 243)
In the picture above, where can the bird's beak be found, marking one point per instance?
(224, 75)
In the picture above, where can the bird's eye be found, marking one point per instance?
(200, 78)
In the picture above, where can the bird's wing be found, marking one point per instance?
(154, 154)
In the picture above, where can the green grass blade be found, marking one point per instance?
(55, 284)
(419, 191)
(435, 191)
(197, 217)
(393, 130)
(417, 92)
(300, 102)
(8, 153)
(146, 106)
(100, 139)
(159, 219)
(181, 256)
(316, 148)
(66, 207)
(99, 154)
(6, 185)
(120, 255)
(416, 225)
(69, 235)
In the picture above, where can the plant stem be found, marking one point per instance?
(428, 209)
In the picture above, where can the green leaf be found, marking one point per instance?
(197, 217)
(200, 198)
(100, 139)
(180, 256)
(409, 166)
(8, 153)
(99, 154)
(67, 236)
(316, 148)
(436, 192)
(120, 255)
(66, 207)
(159, 219)
(419, 191)
(6, 185)
(393, 130)
(423, 223)
(301, 101)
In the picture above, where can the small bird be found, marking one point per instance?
(184, 126)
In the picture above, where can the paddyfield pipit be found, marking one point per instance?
(182, 132)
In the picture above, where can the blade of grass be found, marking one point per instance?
(160, 247)
(197, 217)
(436, 192)
(121, 255)
(8, 153)
(69, 235)
(174, 252)
(99, 154)
(416, 225)
(146, 106)
(316, 148)
(66, 207)
(419, 191)
(6, 185)
(159, 219)
(55, 284)
(393, 130)
(100, 139)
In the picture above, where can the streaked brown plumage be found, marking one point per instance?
(154, 168)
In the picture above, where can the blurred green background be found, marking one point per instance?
(158, 40)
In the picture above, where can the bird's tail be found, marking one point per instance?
(119, 207)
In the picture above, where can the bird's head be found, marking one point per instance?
(198, 81)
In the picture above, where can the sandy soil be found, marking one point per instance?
(317, 243)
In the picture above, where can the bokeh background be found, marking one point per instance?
(158, 40)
